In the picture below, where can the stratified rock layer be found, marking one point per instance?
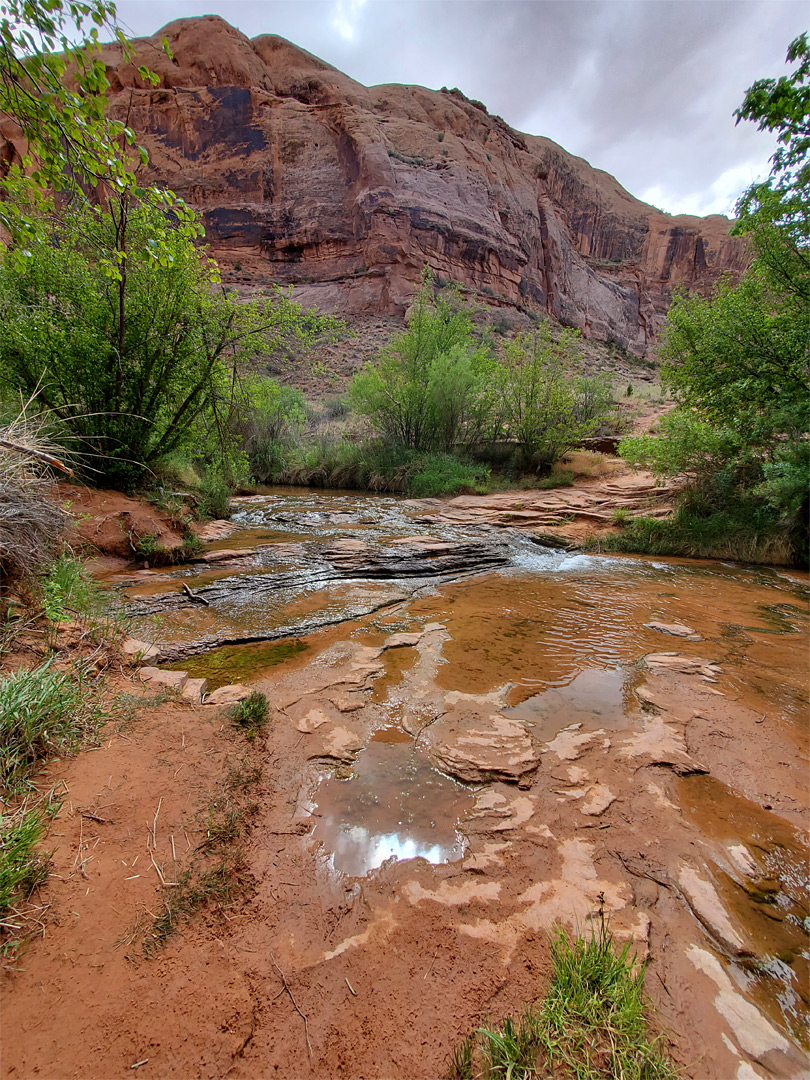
(306, 177)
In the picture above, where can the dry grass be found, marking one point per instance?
(31, 522)
(587, 463)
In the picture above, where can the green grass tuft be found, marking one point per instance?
(43, 711)
(22, 868)
(252, 714)
(590, 1025)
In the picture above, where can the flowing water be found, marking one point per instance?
(557, 636)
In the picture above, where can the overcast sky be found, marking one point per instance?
(642, 88)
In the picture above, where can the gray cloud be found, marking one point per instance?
(644, 89)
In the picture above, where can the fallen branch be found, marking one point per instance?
(295, 1003)
(194, 596)
(40, 455)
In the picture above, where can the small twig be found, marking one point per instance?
(95, 817)
(295, 1003)
(354, 992)
(432, 962)
(174, 853)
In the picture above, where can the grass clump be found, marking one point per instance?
(22, 869)
(590, 1025)
(724, 534)
(43, 711)
(252, 714)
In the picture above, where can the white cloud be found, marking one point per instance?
(346, 16)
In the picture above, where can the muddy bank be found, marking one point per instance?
(443, 780)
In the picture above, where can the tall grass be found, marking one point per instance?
(721, 535)
(21, 869)
(590, 1025)
(43, 711)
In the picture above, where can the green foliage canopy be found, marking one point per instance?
(132, 360)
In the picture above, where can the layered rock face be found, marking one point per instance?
(306, 177)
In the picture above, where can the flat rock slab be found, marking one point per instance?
(475, 745)
(172, 680)
(139, 650)
(216, 530)
(701, 896)
(228, 695)
(225, 554)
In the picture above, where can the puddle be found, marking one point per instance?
(238, 663)
(595, 698)
(771, 903)
(395, 805)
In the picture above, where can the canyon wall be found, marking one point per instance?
(306, 177)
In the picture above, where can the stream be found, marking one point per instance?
(557, 653)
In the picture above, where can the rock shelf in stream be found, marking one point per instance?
(342, 560)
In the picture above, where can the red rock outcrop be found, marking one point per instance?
(306, 177)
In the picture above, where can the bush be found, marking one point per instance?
(541, 407)
(132, 360)
(432, 388)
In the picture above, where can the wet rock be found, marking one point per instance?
(195, 690)
(342, 743)
(662, 744)
(675, 629)
(755, 1035)
(474, 744)
(139, 650)
(397, 641)
(571, 743)
(228, 695)
(225, 555)
(598, 799)
(414, 557)
(708, 908)
(216, 530)
(172, 680)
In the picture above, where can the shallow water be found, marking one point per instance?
(560, 638)
(394, 806)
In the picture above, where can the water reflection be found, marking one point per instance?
(594, 698)
(394, 806)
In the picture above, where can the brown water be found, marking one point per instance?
(771, 903)
(561, 639)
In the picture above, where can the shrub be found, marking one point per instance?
(432, 388)
(252, 714)
(541, 408)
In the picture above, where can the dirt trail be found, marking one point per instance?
(652, 758)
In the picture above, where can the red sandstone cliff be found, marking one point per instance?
(305, 176)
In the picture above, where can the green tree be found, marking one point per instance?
(432, 387)
(738, 362)
(541, 406)
(53, 85)
(120, 328)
